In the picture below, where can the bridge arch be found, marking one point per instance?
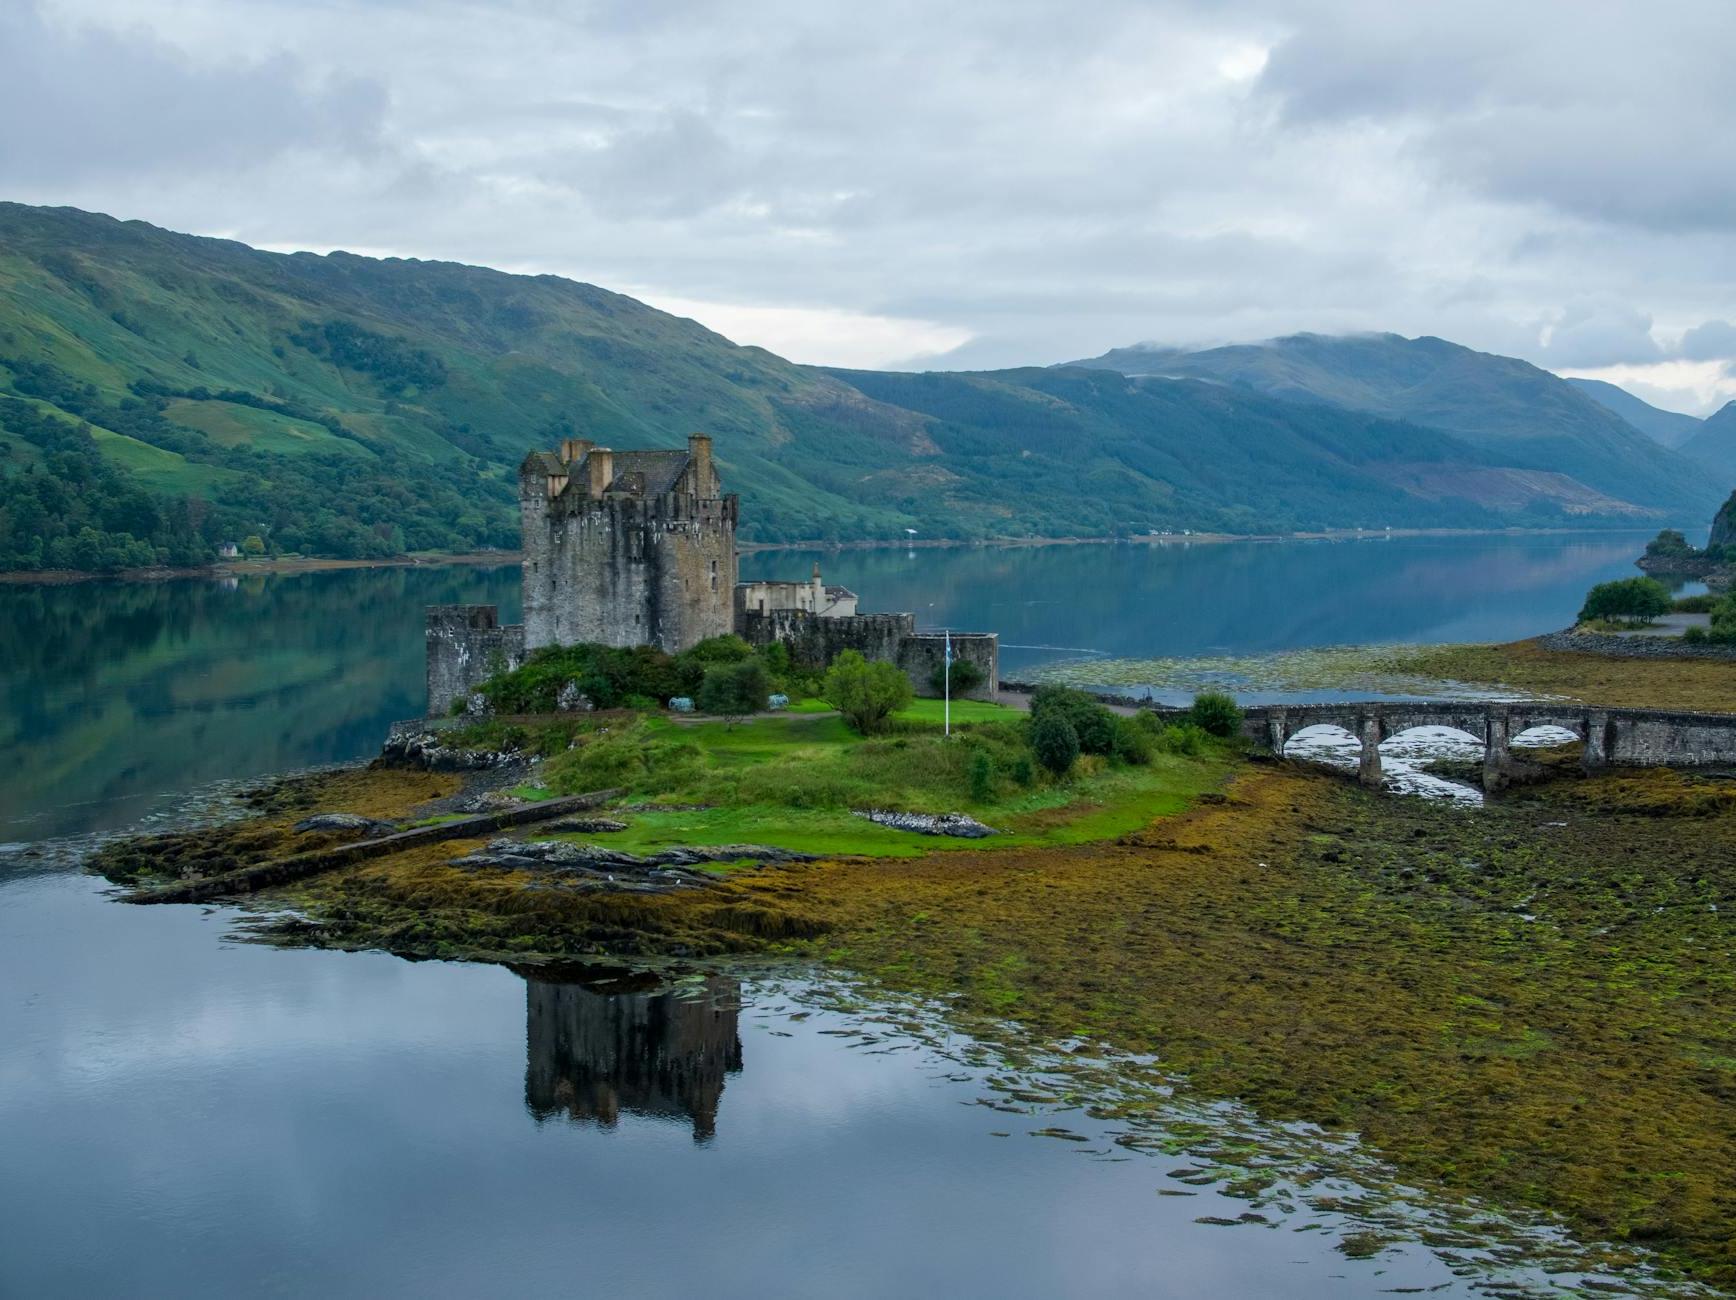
(1635, 737)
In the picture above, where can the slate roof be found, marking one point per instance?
(543, 462)
(660, 470)
(642, 473)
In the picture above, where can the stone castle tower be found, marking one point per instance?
(626, 547)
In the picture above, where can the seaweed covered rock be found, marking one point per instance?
(954, 824)
(343, 822)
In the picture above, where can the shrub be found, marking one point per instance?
(1669, 542)
(1216, 714)
(1695, 635)
(867, 694)
(1093, 725)
(1054, 741)
(1183, 738)
(1723, 629)
(1701, 604)
(726, 649)
(607, 674)
(966, 677)
(1133, 741)
(1640, 599)
(734, 690)
(1024, 771)
(776, 656)
(982, 777)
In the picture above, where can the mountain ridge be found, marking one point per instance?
(1667, 428)
(1537, 420)
(162, 394)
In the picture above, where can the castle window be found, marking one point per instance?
(714, 575)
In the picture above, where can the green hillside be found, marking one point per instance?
(1669, 428)
(1714, 445)
(1529, 417)
(162, 394)
(1123, 453)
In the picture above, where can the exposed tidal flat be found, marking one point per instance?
(1517, 1011)
(1511, 671)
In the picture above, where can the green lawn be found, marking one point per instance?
(233, 425)
(792, 781)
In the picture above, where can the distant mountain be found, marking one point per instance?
(1669, 428)
(1714, 446)
(162, 394)
(1158, 452)
(1528, 417)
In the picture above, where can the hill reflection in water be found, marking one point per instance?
(599, 1047)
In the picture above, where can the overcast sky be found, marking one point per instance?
(950, 184)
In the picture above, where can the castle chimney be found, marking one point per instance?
(601, 463)
(573, 449)
(699, 454)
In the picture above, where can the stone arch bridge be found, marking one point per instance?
(1612, 737)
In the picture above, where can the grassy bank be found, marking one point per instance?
(1530, 668)
(1517, 669)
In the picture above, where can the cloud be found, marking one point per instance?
(817, 336)
(1578, 107)
(1714, 340)
(80, 102)
(978, 183)
(1589, 335)
(1691, 387)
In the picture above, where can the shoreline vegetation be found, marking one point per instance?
(1526, 1003)
(318, 564)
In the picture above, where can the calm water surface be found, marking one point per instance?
(186, 1116)
(116, 694)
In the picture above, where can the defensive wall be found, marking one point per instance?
(815, 641)
(466, 645)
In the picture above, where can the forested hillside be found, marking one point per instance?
(161, 395)
(1527, 417)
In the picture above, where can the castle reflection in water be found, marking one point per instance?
(602, 1048)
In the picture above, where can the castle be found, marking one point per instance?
(629, 548)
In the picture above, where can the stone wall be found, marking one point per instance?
(466, 646)
(632, 571)
(814, 642)
(1634, 647)
(921, 654)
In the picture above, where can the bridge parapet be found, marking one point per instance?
(1612, 736)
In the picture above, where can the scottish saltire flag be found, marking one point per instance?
(949, 646)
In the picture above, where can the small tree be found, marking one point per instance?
(867, 694)
(1054, 742)
(1670, 543)
(1093, 725)
(735, 690)
(966, 677)
(253, 544)
(1216, 714)
(1639, 599)
(982, 777)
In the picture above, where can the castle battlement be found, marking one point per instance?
(626, 548)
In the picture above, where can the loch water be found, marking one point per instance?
(182, 1114)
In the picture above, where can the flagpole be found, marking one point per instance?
(946, 683)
